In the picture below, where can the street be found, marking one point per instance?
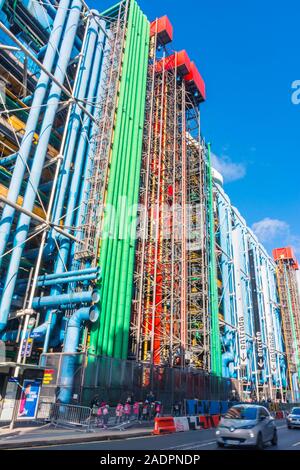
(192, 440)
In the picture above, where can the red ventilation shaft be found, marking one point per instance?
(195, 83)
(164, 29)
(181, 59)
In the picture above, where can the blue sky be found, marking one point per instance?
(248, 54)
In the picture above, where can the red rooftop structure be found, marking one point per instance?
(179, 59)
(164, 29)
(286, 254)
(196, 83)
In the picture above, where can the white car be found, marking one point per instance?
(247, 425)
(293, 419)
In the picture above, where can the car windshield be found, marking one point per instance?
(240, 412)
(295, 411)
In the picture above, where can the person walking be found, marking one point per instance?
(136, 409)
(158, 409)
(177, 409)
(145, 411)
(151, 397)
(99, 420)
(105, 413)
(141, 406)
(119, 413)
(127, 411)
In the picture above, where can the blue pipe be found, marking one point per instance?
(67, 280)
(64, 280)
(68, 274)
(12, 335)
(81, 154)
(74, 127)
(28, 99)
(89, 148)
(78, 272)
(73, 190)
(65, 299)
(50, 8)
(31, 125)
(38, 162)
(11, 158)
(38, 334)
(71, 345)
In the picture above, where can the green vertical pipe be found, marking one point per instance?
(119, 145)
(129, 289)
(292, 321)
(130, 117)
(97, 331)
(134, 157)
(216, 360)
(126, 137)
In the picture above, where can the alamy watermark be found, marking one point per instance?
(296, 93)
(159, 221)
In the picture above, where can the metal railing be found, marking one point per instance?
(44, 412)
(82, 417)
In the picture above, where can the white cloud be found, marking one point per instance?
(269, 230)
(230, 171)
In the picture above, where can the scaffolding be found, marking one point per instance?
(290, 312)
(170, 321)
(102, 148)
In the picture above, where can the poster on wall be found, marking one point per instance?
(29, 399)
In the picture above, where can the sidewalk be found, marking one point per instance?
(46, 436)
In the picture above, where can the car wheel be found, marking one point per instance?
(274, 441)
(220, 444)
(259, 442)
(290, 427)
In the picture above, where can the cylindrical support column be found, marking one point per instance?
(31, 124)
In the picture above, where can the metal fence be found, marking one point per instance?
(82, 417)
(114, 379)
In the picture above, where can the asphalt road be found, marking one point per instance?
(192, 440)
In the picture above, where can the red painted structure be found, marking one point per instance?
(181, 59)
(196, 83)
(287, 254)
(163, 28)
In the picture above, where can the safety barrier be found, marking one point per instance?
(82, 417)
(71, 415)
(185, 423)
(164, 425)
(181, 424)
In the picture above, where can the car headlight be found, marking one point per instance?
(217, 433)
(251, 434)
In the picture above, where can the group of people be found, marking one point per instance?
(145, 410)
(127, 410)
(100, 412)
